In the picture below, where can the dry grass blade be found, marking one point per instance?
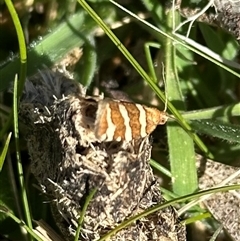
(46, 233)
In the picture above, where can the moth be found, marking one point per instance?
(122, 120)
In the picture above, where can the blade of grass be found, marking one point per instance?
(197, 218)
(23, 59)
(149, 59)
(215, 112)
(86, 204)
(182, 160)
(5, 210)
(180, 144)
(89, 61)
(52, 48)
(18, 157)
(224, 131)
(216, 233)
(160, 168)
(167, 204)
(140, 70)
(4, 151)
(202, 198)
(22, 45)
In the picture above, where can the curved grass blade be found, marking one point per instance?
(22, 45)
(23, 60)
(167, 204)
(6, 211)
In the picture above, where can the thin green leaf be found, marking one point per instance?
(197, 218)
(18, 156)
(88, 62)
(212, 113)
(167, 204)
(4, 151)
(81, 219)
(52, 48)
(225, 131)
(149, 58)
(6, 211)
(22, 45)
(216, 233)
(180, 144)
(160, 168)
(182, 159)
(23, 60)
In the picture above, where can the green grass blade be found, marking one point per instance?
(167, 204)
(6, 211)
(81, 219)
(225, 131)
(18, 156)
(160, 168)
(89, 62)
(180, 144)
(149, 59)
(4, 151)
(197, 218)
(212, 113)
(52, 48)
(23, 61)
(217, 233)
(22, 45)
